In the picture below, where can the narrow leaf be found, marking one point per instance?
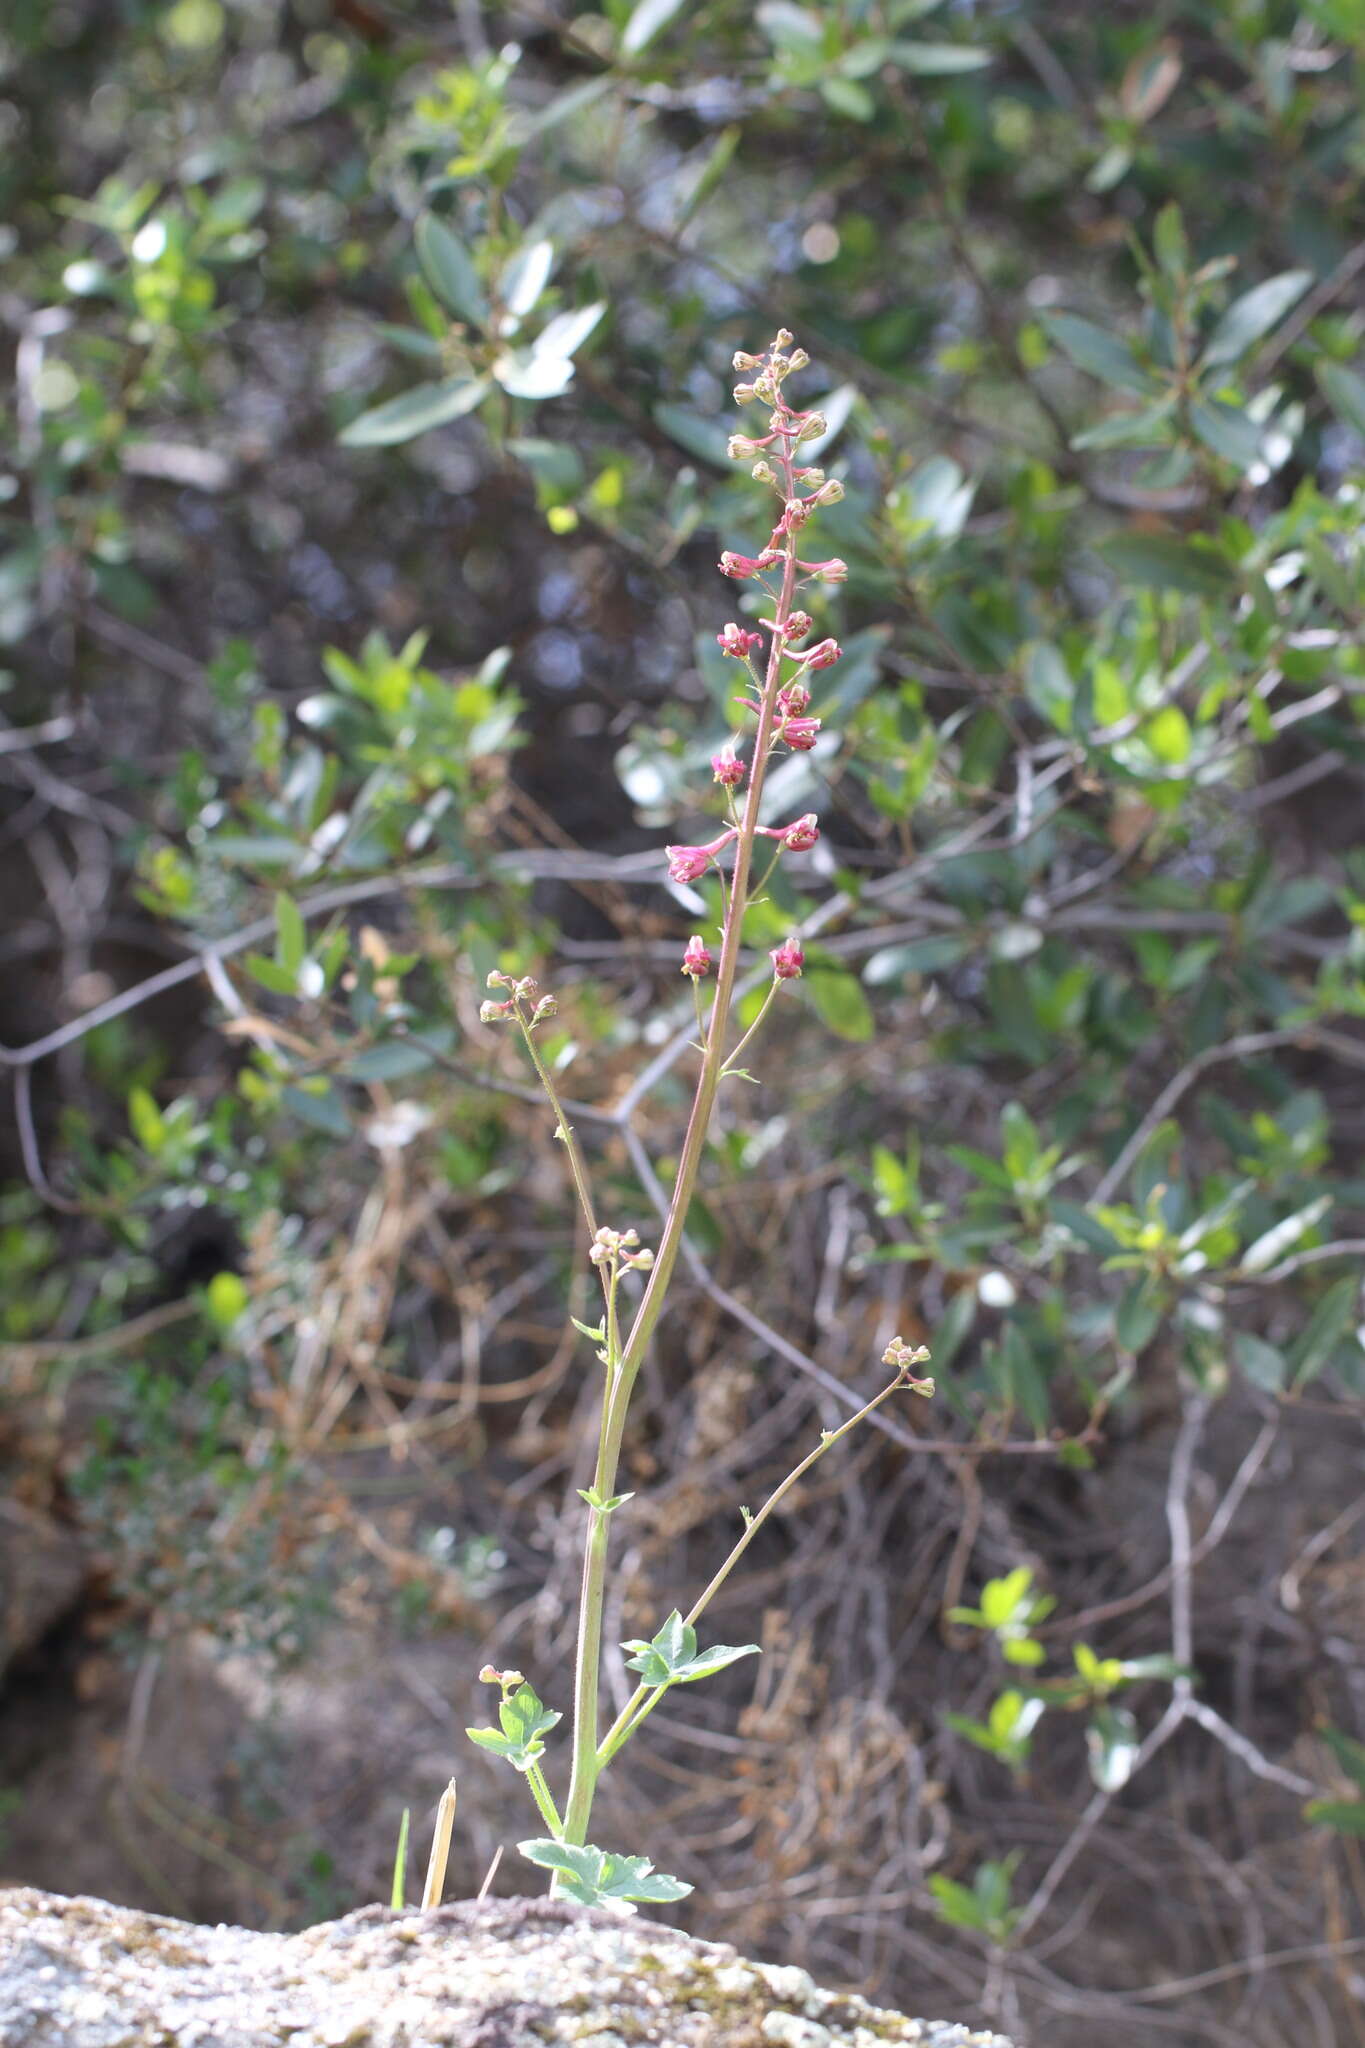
(1106, 356)
(449, 269)
(1254, 314)
(416, 412)
(647, 20)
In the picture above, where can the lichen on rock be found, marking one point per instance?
(509, 1973)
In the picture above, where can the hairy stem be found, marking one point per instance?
(622, 1378)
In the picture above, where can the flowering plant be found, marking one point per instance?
(775, 712)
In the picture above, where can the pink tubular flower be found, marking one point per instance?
(797, 626)
(823, 655)
(728, 769)
(734, 640)
(742, 567)
(800, 837)
(792, 701)
(688, 863)
(799, 733)
(833, 571)
(696, 961)
(788, 959)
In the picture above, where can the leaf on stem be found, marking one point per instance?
(599, 1877)
(672, 1658)
(524, 1721)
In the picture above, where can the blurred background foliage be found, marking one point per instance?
(362, 476)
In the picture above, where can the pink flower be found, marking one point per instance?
(687, 863)
(742, 567)
(823, 655)
(797, 626)
(833, 571)
(728, 769)
(801, 734)
(792, 701)
(800, 837)
(734, 640)
(788, 959)
(696, 961)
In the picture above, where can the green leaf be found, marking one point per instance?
(1344, 390)
(1347, 1816)
(415, 412)
(838, 998)
(916, 956)
(145, 1120)
(1263, 1364)
(393, 1061)
(937, 60)
(1168, 735)
(1106, 356)
(1254, 314)
(449, 270)
(1140, 429)
(597, 1877)
(1349, 1753)
(1232, 434)
(279, 980)
(1138, 1316)
(705, 438)
(672, 1658)
(647, 20)
(291, 934)
(1272, 1245)
(1162, 561)
(1334, 1315)
(524, 1720)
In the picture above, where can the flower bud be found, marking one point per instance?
(904, 1355)
(488, 1676)
(797, 626)
(800, 733)
(798, 359)
(696, 961)
(744, 394)
(740, 361)
(495, 1013)
(813, 477)
(788, 959)
(739, 446)
(763, 473)
(833, 571)
(795, 513)
(687, 863)
(496, 980)
(783, 338)
(641, 1262)
(824, 654)
(800, 837)
(829, 493)
(546, 1008)
(812, 427)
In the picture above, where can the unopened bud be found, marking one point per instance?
(641, 1261)
(763, 473)
(495, 1013)
(496, 980)
(783, 338)
(546, 1008)
(744, 394)
(740, 361)
(739, 446)
(829, 493)
(812, 427)
(904, 1355)
(798, 359)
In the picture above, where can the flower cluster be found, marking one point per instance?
(615, 1248)
(523, 989)
(777, 693)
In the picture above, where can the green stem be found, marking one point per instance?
(729, 1066)
(564, 1130)
(540, 1792)
(640, 1703)
(616, 1401)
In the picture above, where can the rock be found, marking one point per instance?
(510, 1973)
(42, 1570)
